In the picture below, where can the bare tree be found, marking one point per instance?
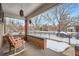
(49, 19)
(36, 24)
(62, 15)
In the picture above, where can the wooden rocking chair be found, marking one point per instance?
(14, 43)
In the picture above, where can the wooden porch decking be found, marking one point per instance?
(32, 50)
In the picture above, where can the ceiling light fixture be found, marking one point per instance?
(21, 12)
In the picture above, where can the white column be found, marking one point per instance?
(1, 33)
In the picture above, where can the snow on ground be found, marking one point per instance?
(57, 46)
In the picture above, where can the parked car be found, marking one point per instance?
(63, 35)
(77, 35)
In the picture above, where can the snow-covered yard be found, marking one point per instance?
(57, 46)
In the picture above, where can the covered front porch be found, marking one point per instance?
(37, 43)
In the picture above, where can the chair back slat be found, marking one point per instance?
(9, 40)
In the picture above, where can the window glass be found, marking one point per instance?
(15, 25)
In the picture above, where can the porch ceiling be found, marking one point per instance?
(12, 9)
(30, 9)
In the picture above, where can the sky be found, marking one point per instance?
(74, 11)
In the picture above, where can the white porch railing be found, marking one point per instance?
(51, 35)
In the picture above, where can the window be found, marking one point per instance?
(15, 25)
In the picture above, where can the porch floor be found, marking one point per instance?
(32, 50)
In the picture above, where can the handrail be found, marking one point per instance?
(51, 35)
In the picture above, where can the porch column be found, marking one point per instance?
(26, 27)
(4, 25)
(2, 31)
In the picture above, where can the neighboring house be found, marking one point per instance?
(74, 27)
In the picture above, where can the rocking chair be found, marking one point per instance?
(15, 43)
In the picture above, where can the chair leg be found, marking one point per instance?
(9, 49)
(24, 45)
(15, 50)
